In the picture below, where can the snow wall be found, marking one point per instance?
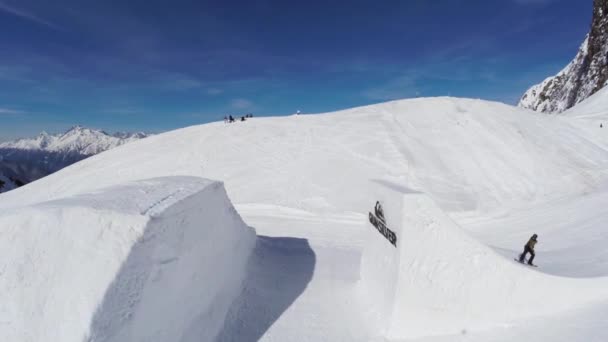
(156, 260)
(438, 280)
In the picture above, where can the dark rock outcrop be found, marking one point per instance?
(583, 77)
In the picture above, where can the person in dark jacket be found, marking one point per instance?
(529, 248)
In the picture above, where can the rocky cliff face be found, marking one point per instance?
(583, 77)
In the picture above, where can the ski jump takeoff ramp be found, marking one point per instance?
(435, 279)
(154, 260)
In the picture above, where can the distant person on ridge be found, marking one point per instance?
(230, 118)
(529, 248)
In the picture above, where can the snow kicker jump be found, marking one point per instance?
(154, 260)
(438, 280)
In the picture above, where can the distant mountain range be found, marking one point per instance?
(583, 77)
(26, 160)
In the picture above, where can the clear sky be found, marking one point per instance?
(157, 65)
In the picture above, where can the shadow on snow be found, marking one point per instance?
(278, 272)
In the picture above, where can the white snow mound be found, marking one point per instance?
(153, 260)
(437, 279)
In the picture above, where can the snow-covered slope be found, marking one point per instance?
(583, 77)
(452, 149)
(595, 106)
(155, 260)
(591, 116)
(306, 183)
(420, 281)
(25, 160)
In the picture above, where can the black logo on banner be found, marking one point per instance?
(377, 220)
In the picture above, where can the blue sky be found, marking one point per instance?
(158, 65)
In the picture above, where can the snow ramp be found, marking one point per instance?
(435, 279)
(154, 260)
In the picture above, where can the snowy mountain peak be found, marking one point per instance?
(77, 139)
(583, 77)
(130, 135)
(25, 160)
(44, 139)
(77, 129)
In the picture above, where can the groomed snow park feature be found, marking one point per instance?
(435, 280)
(153, 260)
(468, 181)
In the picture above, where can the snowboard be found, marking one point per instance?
(524, 263)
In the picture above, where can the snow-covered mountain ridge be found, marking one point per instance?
(583, 77)
(78, 139)
(25, 160)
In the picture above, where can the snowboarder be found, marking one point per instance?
(225, 119)
(529, 248)
(230, 118)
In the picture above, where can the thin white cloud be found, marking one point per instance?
(241, 104)
(397, 88)
(123, 111)
(26, 15)
(214, 91)
(185, 84)
(10, 112)
(173, 80)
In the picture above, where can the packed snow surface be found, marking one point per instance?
(154, 260)
(464, 184)
(594, 106)
(421, 282)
